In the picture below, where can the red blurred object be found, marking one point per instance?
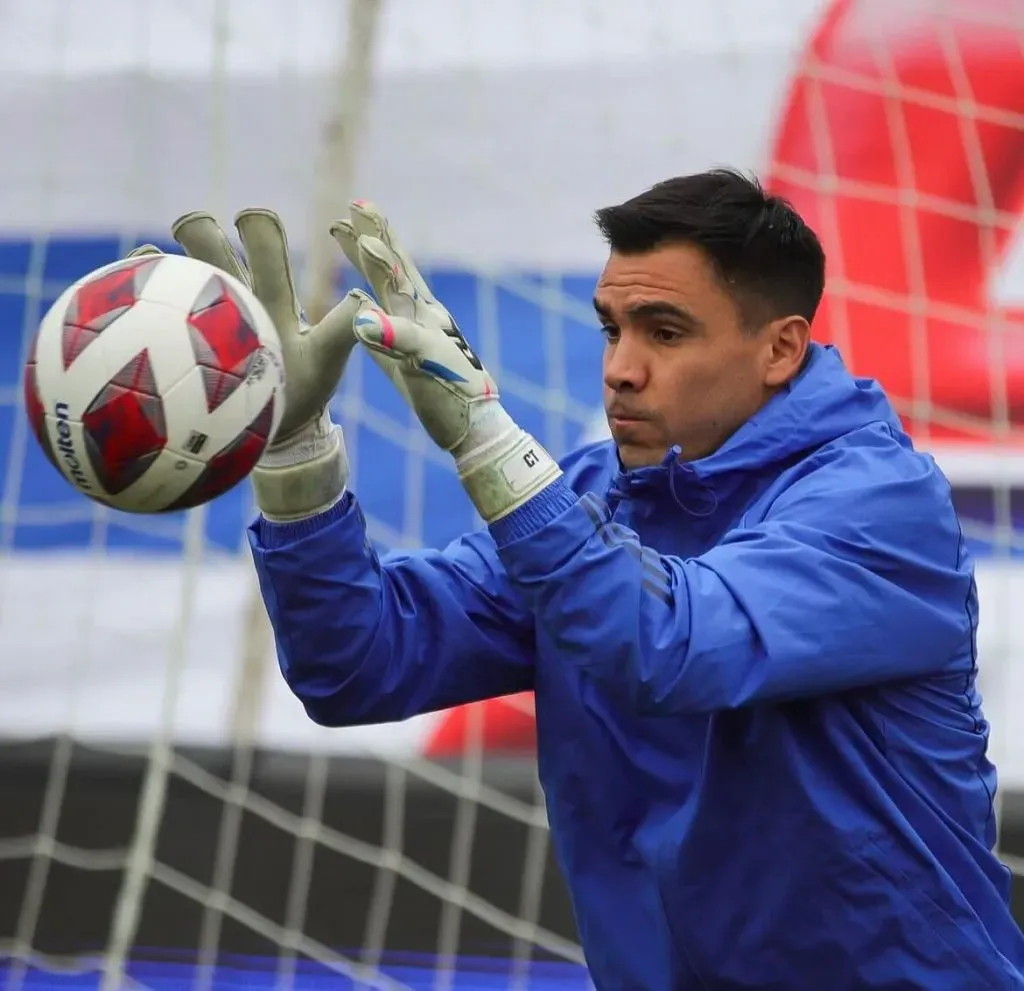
(506, 726)
(901, 142)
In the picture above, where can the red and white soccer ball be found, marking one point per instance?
(155, 383)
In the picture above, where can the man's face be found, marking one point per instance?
(679, 367)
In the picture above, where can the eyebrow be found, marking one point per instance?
(655, 308)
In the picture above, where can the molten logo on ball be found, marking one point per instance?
(67, 448)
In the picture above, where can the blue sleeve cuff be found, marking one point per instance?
(271, 535)
(545, 507)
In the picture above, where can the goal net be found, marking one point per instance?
(168, 815)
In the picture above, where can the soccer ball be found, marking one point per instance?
(155, 383)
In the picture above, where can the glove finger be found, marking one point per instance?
(390, 283)
(335, 337)
(202, 237)
(348, 240)
(393, 370)
(386, 363)
(144, 249)
(392, 337)
(368, 221)
(266, 248)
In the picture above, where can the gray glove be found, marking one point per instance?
(417, 343)
(305, 469)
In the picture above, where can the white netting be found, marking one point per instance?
(187, 806)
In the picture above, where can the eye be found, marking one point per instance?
(610, 332)
(667, 335)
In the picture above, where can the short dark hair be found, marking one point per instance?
(768, 259)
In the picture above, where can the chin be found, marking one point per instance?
(633, 456)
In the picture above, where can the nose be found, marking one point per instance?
(625, 365)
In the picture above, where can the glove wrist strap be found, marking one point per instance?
(505, 472)
(312, 440)
(304, 475)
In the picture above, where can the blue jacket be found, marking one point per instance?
(760, 740)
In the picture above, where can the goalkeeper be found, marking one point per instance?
(748, 620)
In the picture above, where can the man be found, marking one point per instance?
(749, 620)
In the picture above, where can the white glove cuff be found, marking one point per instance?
(500, 465)
(308, 443)
(303, 476)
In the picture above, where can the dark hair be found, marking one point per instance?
(768, 259)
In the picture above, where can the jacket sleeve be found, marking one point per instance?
(363, 638)
(848, 582)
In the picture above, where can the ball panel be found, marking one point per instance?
(224, 339)
(98, 301)
(124, 426)
(77, 385)
(74, 340)
(166, 477)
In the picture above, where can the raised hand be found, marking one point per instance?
(418, 344)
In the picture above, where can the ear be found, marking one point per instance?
(787, 340)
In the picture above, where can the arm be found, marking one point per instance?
(359, 639)
(849, 582)
(365, 639)
(856, 576)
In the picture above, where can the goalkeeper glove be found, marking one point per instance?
(304, 469)
(419, 346)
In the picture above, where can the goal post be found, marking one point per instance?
(170, 815)
(333, 187)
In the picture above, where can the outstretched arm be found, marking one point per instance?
(851, 581)
(364, 639)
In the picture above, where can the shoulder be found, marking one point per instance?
(877, 456)
(871, 484)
